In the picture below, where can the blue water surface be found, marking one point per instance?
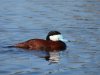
(77, 20)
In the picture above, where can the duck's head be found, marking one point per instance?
(55, 36)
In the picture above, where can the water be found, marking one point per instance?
(77, 20)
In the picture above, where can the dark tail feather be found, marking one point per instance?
(19, 45)
(9, 47)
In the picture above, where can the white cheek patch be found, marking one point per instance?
(56, 37)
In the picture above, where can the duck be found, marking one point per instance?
(54, 42)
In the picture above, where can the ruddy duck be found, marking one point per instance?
(53, 42)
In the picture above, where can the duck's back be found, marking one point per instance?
(33, 44)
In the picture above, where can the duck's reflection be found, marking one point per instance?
(52, 56)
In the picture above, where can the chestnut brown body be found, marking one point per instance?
(40, 44)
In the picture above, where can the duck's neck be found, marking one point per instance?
(63, 44)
